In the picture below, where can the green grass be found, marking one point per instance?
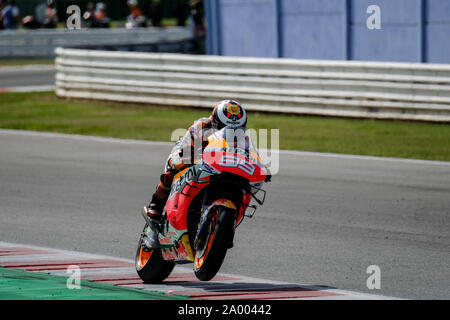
(23, 62)
(43, 111)
(16, 284)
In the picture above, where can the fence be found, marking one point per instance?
(42, 43)
(410, 30)
(407, 91)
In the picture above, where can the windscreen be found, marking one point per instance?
(233, 140)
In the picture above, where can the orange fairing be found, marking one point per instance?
(144, 256)
(184, 248)
(255, 155)
(224, 202)
(215, 142)
(179, 174)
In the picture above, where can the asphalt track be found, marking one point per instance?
(326, 217)
(31, 76)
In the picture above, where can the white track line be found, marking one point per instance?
(29, 88)
(163, 143)
(28, 67)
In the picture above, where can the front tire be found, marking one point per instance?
(208, 261)
(150, 265)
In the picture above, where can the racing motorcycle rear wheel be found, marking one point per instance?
(209, 259)
(150, 265)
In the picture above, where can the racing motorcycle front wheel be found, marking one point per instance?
(209, 258)
(150, 265)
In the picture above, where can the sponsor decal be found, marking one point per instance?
(184, 248)
(188, 176)
(169, 253)
(233, 110)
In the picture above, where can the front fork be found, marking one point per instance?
(202, 230)
(205, 219)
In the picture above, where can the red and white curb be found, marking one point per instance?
(182, 281)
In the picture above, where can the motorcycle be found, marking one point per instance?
(207, 202)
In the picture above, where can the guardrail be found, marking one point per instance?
(42, 42)
(330, 88)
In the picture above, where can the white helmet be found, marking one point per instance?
(229, 113)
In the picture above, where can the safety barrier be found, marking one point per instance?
(406, 91)
(42, 42)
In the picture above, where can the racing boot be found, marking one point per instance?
(156, 206)
(160, 196)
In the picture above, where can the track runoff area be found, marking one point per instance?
(70, 275)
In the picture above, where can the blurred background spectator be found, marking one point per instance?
(197, 16)
(89, 16)
(156, 13)
(10, 15)
(197, 24)
(2, 5)
(29, 22)
(180, 11)
(105, 13)
(136, 19)
(101, 17)
(50, 18)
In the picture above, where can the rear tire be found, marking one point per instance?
(150, 265)
(221, 232)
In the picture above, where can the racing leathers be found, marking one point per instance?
(184, 153)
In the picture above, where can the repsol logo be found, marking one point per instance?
(187, 177)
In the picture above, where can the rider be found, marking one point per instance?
(226, 113)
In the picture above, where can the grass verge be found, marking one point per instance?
(16, 284)
(43, 111)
